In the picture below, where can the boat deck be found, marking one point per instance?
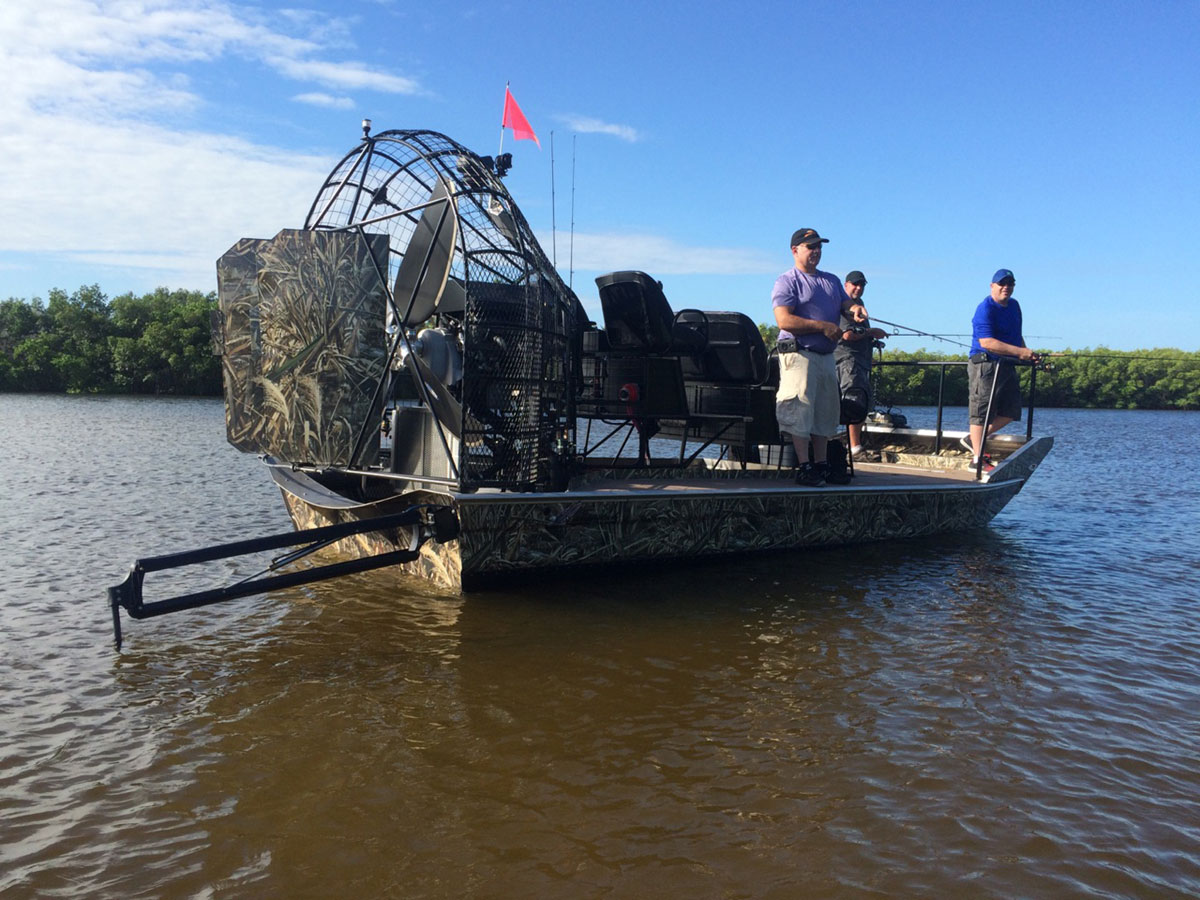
(867, 477)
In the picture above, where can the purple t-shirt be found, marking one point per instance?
(819, 296)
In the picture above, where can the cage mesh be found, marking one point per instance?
(519, 355)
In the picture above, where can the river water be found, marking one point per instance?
(1008, 713)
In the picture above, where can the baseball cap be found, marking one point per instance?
(856, 277)
(806, 236)
(1001, 274)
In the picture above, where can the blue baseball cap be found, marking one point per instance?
(1001, 274)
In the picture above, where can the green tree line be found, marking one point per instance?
(1098, 378)
(157, 343)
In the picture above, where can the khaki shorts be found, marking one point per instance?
(808, 400)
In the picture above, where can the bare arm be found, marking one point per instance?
(871, 334)
(1000, 348)
(788, 321)
(856, 311)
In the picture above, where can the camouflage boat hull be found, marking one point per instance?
(644, 516)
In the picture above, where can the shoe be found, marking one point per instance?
(811, 474)
(857, 451)
(988, 465)
(965, 443)
(840, 476)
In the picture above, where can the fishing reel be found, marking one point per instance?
(1042, 363)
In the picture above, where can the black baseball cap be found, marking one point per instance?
(806, 236)
(856, 277)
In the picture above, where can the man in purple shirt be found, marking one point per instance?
(995, 336)
(807, 304)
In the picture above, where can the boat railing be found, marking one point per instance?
(943, 365)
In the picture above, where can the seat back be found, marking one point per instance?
(734, 352)
(637, 316)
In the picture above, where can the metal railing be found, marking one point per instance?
(943, 365)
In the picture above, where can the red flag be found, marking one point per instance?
(515, 119)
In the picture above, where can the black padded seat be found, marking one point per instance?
(733, 350)
(637, 316)
(719, 347)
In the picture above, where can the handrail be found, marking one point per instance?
(942, 365)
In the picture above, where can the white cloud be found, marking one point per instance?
(93, 168)
(343, 75)
(664, 256)
(326, 100)
(588, 125)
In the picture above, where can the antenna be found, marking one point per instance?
(571, 277)
(553, 210)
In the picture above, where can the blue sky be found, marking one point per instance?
(931, 142)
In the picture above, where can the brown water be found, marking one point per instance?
(1008, 713)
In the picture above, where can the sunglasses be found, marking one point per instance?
(1007, 282)
(816, 246)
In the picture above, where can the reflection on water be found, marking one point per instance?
(1011, 710)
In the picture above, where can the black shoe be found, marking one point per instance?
(837, 476)
(811, 474)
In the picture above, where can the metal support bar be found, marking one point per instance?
(937, 440)
(438, 522)
(987, 419)
(1032, 390)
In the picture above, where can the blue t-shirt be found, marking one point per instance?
(818, 296)
(992, 320)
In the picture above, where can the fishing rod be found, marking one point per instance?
(1190, 359)
(916, 332)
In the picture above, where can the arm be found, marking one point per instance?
(789, 321)
(856, 311)
(871, 334)
(1000, 348)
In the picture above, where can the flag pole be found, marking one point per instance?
(501, 150)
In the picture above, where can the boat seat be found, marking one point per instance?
(733, 350)
(721, 347)
(637, 316)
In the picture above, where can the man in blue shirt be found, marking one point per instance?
(995, 337)
(807, 303)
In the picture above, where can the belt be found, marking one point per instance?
(787, 346)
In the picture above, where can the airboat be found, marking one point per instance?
(427, 392)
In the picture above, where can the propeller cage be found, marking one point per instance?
(429, 236)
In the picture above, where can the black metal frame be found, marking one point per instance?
(437, 522)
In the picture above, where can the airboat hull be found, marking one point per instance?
(638, 516)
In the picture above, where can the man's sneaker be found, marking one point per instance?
(965, 443)
(811, 474)
(988, 465)
(856, 451)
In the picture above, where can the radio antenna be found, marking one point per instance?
(553, 210)
(571, 255)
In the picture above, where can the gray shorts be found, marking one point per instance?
(853, 374)
(1006, 403)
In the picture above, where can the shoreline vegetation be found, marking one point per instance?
(160, 343)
